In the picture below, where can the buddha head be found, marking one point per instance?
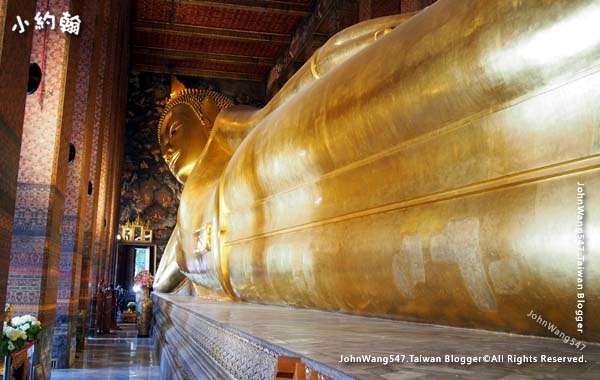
(184, 128)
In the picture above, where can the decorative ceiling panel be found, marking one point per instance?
(236, 19)
(152, 10)
(261, 20)
(238, 39)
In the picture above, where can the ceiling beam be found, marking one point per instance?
(198, 73)
(319, 39)
(186, 55)
(201, 31)
(269, 6)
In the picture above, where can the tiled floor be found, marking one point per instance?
(118, 356)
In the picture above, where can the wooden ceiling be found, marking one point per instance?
(247, 40)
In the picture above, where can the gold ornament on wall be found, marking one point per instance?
(137, 230)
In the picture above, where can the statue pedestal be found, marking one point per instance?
(204, 339)
(219, 349)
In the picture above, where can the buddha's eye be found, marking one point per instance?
(173, 129)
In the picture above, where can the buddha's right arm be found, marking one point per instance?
(337, 50)
(168, 277)
(233, 124)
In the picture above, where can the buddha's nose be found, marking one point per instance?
(168, 155)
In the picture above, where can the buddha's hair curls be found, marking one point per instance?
(193, 97)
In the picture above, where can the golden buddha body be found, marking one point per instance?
(433, 174)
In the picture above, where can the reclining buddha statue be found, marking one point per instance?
(442, 167)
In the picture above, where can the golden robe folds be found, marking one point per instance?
(434, 175)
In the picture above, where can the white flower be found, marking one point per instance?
(14, 334)
(8, 331)
(11, 346)
(17, 334)
(24, 327)
(24, 322)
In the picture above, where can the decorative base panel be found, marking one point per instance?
(205, 339)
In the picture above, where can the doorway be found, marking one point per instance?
(133, 258)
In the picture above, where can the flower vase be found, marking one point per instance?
(144, 304)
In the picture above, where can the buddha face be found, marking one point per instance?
(183, 136)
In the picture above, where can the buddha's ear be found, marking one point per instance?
(210, 109)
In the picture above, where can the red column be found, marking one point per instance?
(75, 196)
(15, 50)
(36, 241)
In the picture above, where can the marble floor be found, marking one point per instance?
(117, 356)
